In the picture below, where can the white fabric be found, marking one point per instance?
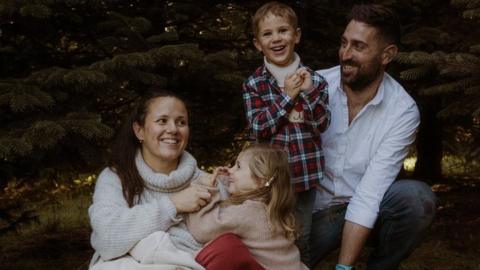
(279, 73)
(117, 227)
(362, 159)
(154, 252)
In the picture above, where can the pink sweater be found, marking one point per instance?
(273, 250)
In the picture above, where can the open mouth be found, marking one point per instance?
(169, 141)
(278, 49)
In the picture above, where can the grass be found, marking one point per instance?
(60, 240)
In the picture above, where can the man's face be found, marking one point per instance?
(360, 55)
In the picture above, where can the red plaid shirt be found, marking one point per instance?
(268, 108)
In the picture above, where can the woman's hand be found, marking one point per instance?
(190, 199)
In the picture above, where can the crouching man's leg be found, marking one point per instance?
(406, 211)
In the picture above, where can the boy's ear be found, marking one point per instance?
(257, 44)
(298, 34)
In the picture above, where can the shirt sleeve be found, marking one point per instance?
(214, 220)
(383, 169)
(117, 227)
(317, 103)
(265, 119)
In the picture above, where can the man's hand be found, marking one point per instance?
(190, 199)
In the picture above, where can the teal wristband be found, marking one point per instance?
(340, 266)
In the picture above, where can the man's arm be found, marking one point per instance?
(382, 170)
(353, 240)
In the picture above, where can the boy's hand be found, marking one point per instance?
(293, 82)
(307, 83)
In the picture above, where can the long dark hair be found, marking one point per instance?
(126, 144)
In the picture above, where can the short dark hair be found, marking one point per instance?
(380, 17)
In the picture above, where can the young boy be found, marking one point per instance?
(286, 105)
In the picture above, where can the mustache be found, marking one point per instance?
(350, 63)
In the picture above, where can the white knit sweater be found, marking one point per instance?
(117, 228)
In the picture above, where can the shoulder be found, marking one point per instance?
(396, 94)
(330, 74)
(258, 75)
(108, 177)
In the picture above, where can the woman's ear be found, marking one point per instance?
(389, 53)
(138, 130)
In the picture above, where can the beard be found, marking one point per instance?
(364, 75)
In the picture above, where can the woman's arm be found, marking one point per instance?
(116, 227)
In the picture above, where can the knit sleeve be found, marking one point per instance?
(214, 220)
(116, 227)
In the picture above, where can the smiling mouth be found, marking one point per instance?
(169, 141)
(348, 68)
(278, 48)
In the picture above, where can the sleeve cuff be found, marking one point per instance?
(360, 216)
(171, 210)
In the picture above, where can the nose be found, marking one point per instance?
(345, 53)
(171, 127)
(275, 36)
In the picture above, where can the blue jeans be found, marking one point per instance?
(406, 211)
(303, 217)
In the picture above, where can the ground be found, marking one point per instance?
(453, 241)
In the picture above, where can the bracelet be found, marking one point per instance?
(340, 266)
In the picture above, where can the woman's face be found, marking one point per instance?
(165, 132)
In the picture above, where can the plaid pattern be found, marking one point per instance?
(268, 108)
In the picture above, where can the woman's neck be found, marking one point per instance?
(158, 165)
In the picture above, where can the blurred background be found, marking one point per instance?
(70, 70)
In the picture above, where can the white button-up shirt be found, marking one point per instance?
(363, 159)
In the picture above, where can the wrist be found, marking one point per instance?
(340, 266)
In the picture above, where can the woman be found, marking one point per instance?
(146, 186)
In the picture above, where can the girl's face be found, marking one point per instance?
(240, 179)
(165, 133)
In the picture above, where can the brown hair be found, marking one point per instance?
(126, 144)
(270, 165)
(277, 9)
(380, 17)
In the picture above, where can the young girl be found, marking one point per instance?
(260, 208)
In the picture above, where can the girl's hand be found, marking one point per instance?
(211, 179)
(191, 199)
(292, 84)
(307, 83)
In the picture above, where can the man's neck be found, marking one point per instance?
(356, 100)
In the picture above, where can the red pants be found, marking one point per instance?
(227, 252)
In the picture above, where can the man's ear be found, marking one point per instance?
(257, 44)
(138, 130)
(389, 53)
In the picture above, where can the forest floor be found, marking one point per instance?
(453, 241)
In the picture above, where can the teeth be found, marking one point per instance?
(170, 141)
(278, 48)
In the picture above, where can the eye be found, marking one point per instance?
(162, 121)
(283, 30)
(343, 43)
(238, 165)
(181, 122)
(266, 34)
(360, 46)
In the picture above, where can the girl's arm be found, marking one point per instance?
(213, 220)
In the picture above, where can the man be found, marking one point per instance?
(374, 122)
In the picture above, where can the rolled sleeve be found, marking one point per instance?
(383, 168)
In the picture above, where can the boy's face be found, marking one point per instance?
(276, 39)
